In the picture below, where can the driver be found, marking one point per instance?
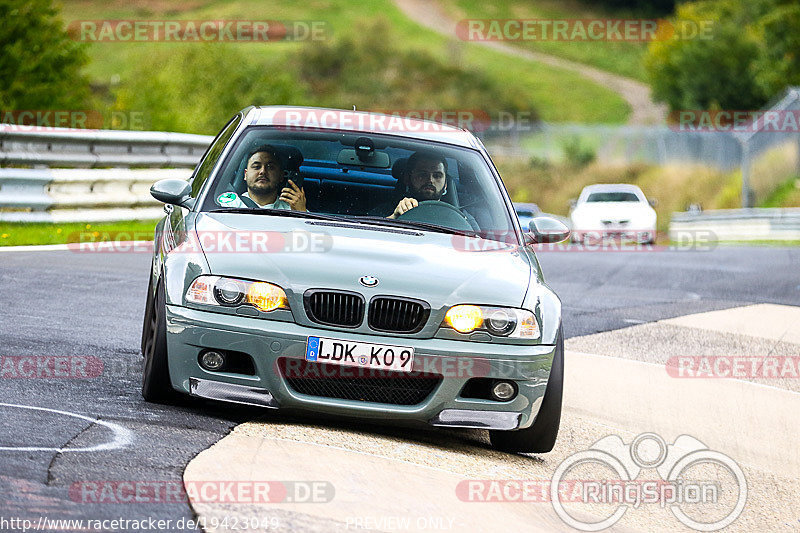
(265, 177)
(426, 179)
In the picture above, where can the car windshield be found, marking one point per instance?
(612, 197)
(362, 178)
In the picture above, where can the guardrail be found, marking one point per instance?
(109, 174)
(60, 147)
(739, 224)
(78, 195)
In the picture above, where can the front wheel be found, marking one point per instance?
(156, 385)
(541, 436)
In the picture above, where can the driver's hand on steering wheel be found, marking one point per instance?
(404, 205)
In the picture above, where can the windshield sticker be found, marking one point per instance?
(226, 198)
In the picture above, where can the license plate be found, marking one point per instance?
(360, 354)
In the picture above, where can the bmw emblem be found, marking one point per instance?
(368, 281)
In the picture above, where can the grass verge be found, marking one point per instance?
(620, 57)
(31, 233)
(271, 73)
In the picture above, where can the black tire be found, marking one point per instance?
(541, 436)
(156, 385)
(148, 310)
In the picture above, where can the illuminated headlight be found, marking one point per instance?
(229, 292)
(499, 321)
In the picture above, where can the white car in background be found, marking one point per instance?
(613, 211)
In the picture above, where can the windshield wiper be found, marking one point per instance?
(277, 212)
(380, 221)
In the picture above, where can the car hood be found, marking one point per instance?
(435, 267)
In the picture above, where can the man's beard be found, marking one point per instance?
(428, 194)
(263, 187)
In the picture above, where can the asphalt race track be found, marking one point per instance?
(61, 304)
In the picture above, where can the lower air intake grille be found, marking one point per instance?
(353, 383)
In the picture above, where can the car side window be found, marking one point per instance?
(212, 155)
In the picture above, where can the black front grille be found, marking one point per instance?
(397, 315)
(353, 383)
(335, 308)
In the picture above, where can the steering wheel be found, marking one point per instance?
(438, 212)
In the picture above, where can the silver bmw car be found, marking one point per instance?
(355, 264)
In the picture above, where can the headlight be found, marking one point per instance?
(229, 292)
(499, 321)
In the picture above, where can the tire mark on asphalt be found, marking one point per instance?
(123, 437)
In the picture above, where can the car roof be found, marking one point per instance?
(612, 187)
(403, 125)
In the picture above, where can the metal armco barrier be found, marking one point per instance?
(76, 195)
(101, 183)
(60, 147)
(738, 224)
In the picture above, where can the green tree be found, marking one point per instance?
(711, 71)
(751, 54)
(40, 64)
(779, 62)
(652, 7)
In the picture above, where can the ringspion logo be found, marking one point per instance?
(704, 489)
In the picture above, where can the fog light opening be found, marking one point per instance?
(212, 361)
(504, 390)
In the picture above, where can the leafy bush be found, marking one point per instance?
(198, 88)
(576, 154)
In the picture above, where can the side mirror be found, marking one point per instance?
(547, 230)
(653, 202)
(173, 191)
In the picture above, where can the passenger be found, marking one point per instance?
(426, 179)
(265, 177)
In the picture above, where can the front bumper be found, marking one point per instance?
(190, 331)
(592, 236)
